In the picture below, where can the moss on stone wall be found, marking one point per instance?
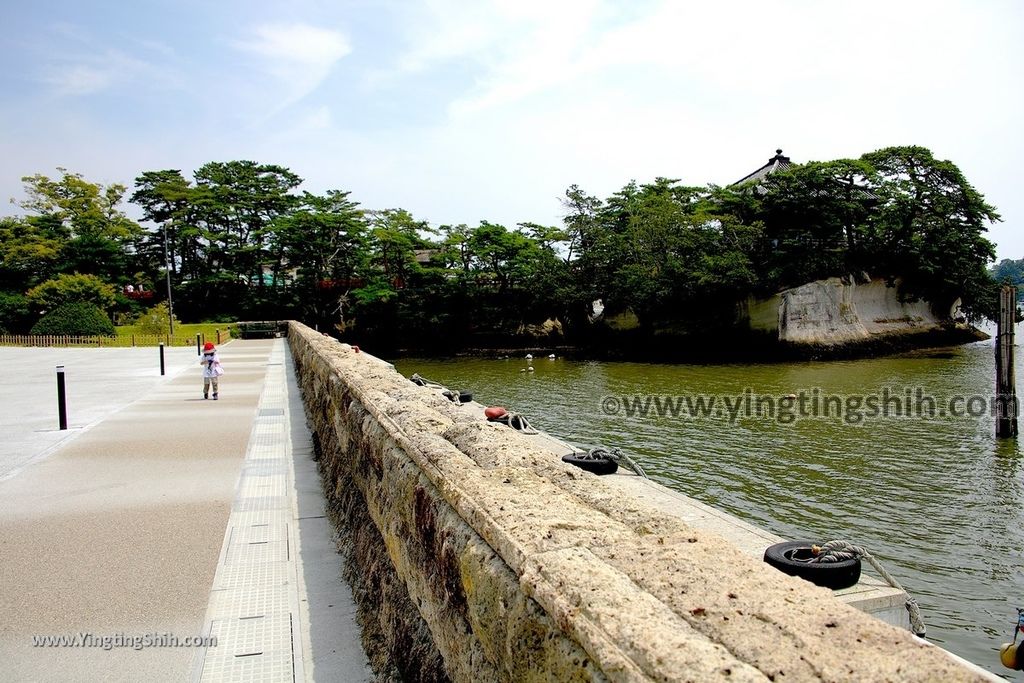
(478, 556)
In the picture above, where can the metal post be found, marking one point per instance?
(199, 346)
(167, 267)
(161, 358)
(62, 399)
(1006, 392)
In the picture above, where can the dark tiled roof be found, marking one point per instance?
(776, 163)
(779, 163)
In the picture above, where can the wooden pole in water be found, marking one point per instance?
(1006, 392)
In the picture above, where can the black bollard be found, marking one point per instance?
(199, 346)
(62, 399)
(161, 359)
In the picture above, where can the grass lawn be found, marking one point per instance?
(183, 332)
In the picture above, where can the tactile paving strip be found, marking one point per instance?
(257, 533)
(253, 649)
(254, 601)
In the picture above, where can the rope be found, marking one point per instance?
(517, 422)
(622, 458)
(422, 381)
(521, 424)
(837, 551)
(615, 454)
(453, 396)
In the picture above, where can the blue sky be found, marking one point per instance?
(462, 111)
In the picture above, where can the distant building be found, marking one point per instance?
(423, 256)
(285, 276)
(778, 162)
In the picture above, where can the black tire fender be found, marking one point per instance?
(591, 463)
(791, 557)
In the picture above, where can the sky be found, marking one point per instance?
(468, 110)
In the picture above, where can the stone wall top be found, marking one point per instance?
(645, 595)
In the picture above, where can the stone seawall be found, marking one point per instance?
(839, 312)
(476, 556)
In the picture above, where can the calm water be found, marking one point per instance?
(938, 500)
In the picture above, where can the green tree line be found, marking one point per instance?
(242, 241)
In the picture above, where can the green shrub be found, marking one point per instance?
(75, 319)
(67, 289)
(15, 317)
(155, 320)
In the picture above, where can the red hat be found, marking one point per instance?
(208, 346)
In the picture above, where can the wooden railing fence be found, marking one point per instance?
(107, 342)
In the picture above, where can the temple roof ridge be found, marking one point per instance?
(776, 163)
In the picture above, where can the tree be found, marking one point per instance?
(166, 199)
(396, 235)
(454, 250)
(592, 251)
(896, 213)
(326, 240)
(15, 316)
(223, 254)
(99, 238)
(83, 208)
(502, 254)
(816, 216)
(1009, 271)
(235, 203)
(156, 320)
(30, 250)
(928, 228)
(77, 288)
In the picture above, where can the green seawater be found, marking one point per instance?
(937, 498)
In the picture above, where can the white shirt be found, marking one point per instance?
(211, 364)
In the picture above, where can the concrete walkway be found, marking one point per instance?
(117, 533)
(100, 382)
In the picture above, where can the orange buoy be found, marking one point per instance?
(494, 412)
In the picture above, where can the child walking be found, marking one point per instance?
(211, 369)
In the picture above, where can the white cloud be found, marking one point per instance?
(78, 79)
(522, 46)
(90, 72)
(297, 43)
(298, 56)
(760, 49)
(441, 30)
(544, 94)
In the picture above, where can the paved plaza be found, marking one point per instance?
(159, 516)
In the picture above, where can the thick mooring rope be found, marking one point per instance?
(619, 457)
(453, 396)
(515, 421)
(837, 551)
